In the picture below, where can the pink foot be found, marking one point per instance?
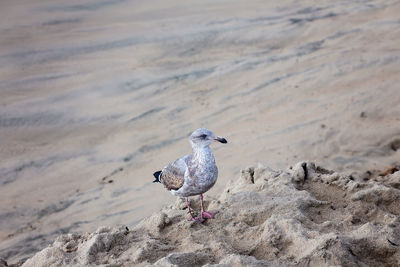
(199, 220)
(208, 214)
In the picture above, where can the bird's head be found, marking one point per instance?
(203, 137)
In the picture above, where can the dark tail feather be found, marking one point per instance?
(157, 176)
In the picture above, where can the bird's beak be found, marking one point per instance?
(220, 139)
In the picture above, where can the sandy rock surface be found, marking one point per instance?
(303, 216)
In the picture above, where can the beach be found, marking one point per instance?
(97, 95)
(305, 215)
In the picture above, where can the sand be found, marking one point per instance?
(97, 95)
(303, 216)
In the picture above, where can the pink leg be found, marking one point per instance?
(192, 218)
(206, 214)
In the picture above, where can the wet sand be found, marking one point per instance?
(96, 95)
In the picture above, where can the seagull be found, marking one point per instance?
(193, 174)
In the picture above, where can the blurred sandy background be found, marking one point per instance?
(97, 95)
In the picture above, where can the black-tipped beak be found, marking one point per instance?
(221, 139)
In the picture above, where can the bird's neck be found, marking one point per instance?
(203, 154)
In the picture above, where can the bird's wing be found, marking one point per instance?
(173, 175)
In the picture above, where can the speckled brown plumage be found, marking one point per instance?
(173, 175)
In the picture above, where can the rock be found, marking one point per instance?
(306, 215)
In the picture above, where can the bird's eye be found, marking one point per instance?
(203, 136)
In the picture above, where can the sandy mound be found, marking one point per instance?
(305, 215)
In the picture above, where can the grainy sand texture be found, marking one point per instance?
(303, 216)
(96, 95)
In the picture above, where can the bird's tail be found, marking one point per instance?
(157, 176)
